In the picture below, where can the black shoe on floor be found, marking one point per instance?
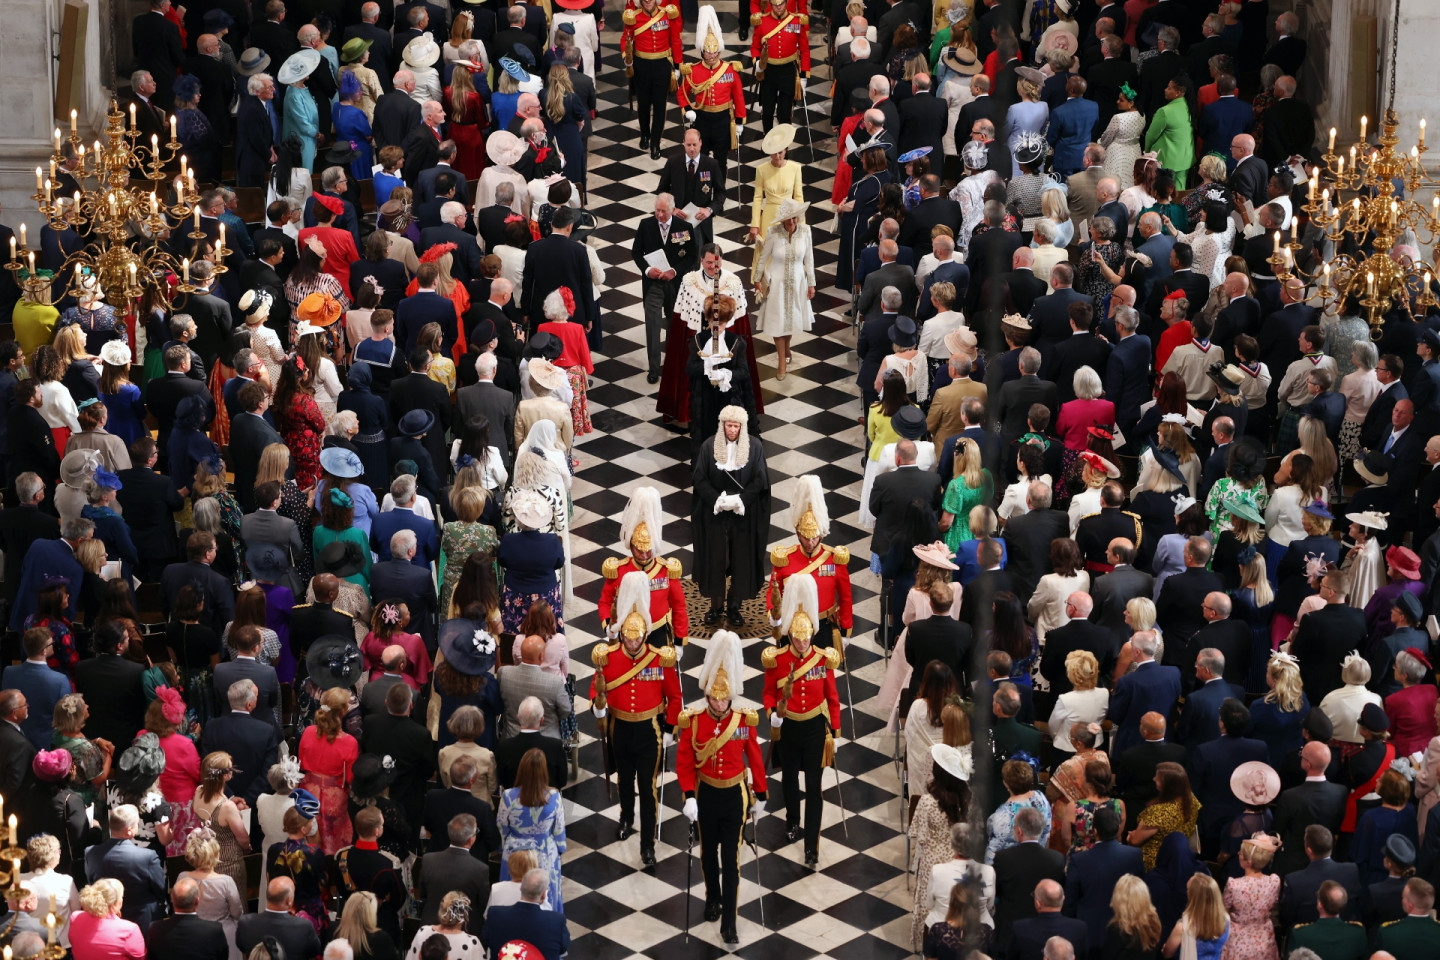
(624, 832)
(793, 832)
(652, 378)
(812, 858)
(644, 143)
(712, 617)
(655, 151)
(729, 935)
(647, 856)
(733, 615)
(712, 911)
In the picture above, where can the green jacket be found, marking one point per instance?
(1411, 938)
(1171, 135)
(1332, 939)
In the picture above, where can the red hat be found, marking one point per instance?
(330, 203)
(519, 950)
(436, 252)
(1099, 463)
(1100, 433)
(1419, 655)
(1176, 295)
(1404, 561)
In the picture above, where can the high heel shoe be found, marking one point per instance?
(780, 369)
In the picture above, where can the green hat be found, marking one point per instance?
(1243, 509)
(354, 49)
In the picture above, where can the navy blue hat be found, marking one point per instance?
(218, 20)
(1431, 339)
(416, 422)
(909, 422)
(1409, 604)
(1399, 849)
(567, 27)
(267, 562)
(1318, 508)
(522, 54)
(904, 333)
(306, 803)
(1373, 718)
(1168, 461)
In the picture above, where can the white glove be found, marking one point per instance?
(600, 712)
(739, 505)
(689, 116)
(691, 809)
(679, 649)
(774, 622)
(777, 718)
(722, 380)
(719, 505)
(613, 630)
(758, 810)
(667, 740)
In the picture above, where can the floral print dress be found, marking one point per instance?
(541, 829)
(1249, 901)
(457, 542)
(310, 870)
(303, 432)
(1227, 488)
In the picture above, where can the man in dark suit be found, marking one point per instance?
(1018, 870)
(250, 434)
(277, 215)
(422, 143)
(1157, 72)
(404, 517)
(693, 177)
(1289, 126)
(23, 525)
(217, 84)
(933, 210)
(113, 689)
(252, 742)
(679, 243)
(1111, 592)
(1316, 802)
(50, 561)
(155, 42)
(1078, 634)
(509, 751)
(1377, 424)
(427, 188)
(490, 223)
(545, 930)
(246, 666)
(1225, 120)
(374, 26)
(1127, 371)
(1212, 763)
(1135, 767)
(444, 804)
(1050, 314)
(1072, 124)
(29, 444)
(138, 868)
(1083, 348)
(982, 106)
(453, 868)
(1302, 884)
(163, 395)
(416, 391)
(923, 119)
(1106, 77)
(401, 579)
(484, 399)
(1288, 51)
(296, 935)
(320, 618)
(945, 640)
(992, 252)
(1221, 632)
(559, 260)
(397, 114)
(979, 596)
(1030, 936)
(1149, 688)
(395, 734)
(150, 117)
(1016, 290)
(17, 753)
(1092, 875)
(184, 935)
(1012, 407)
(1321, 644)
(890, 273)
(196, 572)
(465, 259)
(892, 493)
(948, 270)
(1250, 176)
(1028, 537)
(1179, 608)
(273, 36)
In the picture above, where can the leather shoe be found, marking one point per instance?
(655, 151)
(729, 935)
(647, 856)
(712, 911)
(793, 832)
(624, 832)
(812, 858)
(712, 617)
(644, 143)
(652, 378)
(733, 614)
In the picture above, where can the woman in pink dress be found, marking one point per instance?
(165, 717)
(99, 932)
(327, 755)
(387, 628)
(1249, 900)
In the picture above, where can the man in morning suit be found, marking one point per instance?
(397, 735)
(676, 240)
(113, 687)
(1018, 870)
(1111, 592)
(530, 717)
(1012, 406)
(184, 935)
(138, 868)
(1179, 610)
(17, 753)
(1149, 688)
(1326, 635)
(1211, 765)
(560, 261)
(1316, 802)
(155, 42)
(1028, 537)
(465, 259)
(444, 804)
(1090, 880)
(893, 492)
(484, 399)
(250, 434)
(252, 742)
(694, 178)
(1071, 126)
(1302, 886)
(397, 113)
(23, 525)
(296, 935)
(1078, 634)
(1029, 937)
(246, 666)
(453, 868)
(543, 929)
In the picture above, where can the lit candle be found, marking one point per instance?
(52, 170)
(75, 214)
(57, 139)
(38, 179)
(1357, 206)
(1277, 241)
(1370, 283)
(1435, 205)
(154, 204)
(197, 219)
(32, 264)
(1339, 165)
(1294, 224)
(1427, 279)
(13, 824)
(1325, 276)
(190, 178)
(1422, 133)
(185, 269)
(222, 236)
(12, 248)
(50, 921)
(74, 117)
(22, 237)
(1332, 141)
(1363, 120)
(1325, 200)
(132, 274)
(132, 118)
(172, 128)
(183, 162)
(154, 146)
(1312, 189)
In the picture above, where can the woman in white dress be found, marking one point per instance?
(219, 897)
(907, 360)
(785, 280)
(1050, 603)
(970, 191)
(270, 808)
(1121, 138)
(255, 306)
(1210, 242)
(587, 36)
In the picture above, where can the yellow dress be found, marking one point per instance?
(773, 185)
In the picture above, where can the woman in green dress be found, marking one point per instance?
(970, 486)
(463, 537)
(337, 522)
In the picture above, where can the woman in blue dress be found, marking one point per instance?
(565, 117)
(531, 817)
(188, 444)
(351, 124)
(302, 115)
(200, 141)
(126, 412)
(1029, 114)
(369, 442)
(860, 205)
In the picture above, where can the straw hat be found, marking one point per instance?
(780, 137)
(962, 342)
(252, 61)
(936, 554)
(354, 49)
(422, 52)
(530, 509)
(116, 353)
(1374, 468)
(1366, 518)
(546, 374)
(298, 66)
(951, 760)
(320, 309)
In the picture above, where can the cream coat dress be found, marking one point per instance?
(786, 267)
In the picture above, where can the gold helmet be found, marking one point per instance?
(800, 611)
(641, 526)
(723, 673)
(632, 606)
(808, 514)
(707, 32)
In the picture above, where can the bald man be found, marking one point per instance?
(1290, 128)
(1020, 280)
(374, 25)
(295, 934)
(1316, 801)
(1242, 316)
(1249, 176)
(1028, 937)
(1135, 767)
(529, 678)
(217, 84)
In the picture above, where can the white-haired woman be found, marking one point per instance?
(574, 356)
(1343, 706)
(785, 280)
(1088, 409)
(1048, 250)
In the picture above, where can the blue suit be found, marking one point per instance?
(426, 306)
(953, 272)
(1127, 379)
(1157, 248)
(545, 930)
(43, 688)
(44, 558)
(391, 522)
(1210, 767)
(1221, 122)
(870, 260)
(139, 871)
(1069, 133)
(1200, 718)
(1151, 687)
(1090, 882)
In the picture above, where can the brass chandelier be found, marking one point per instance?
(1364, 208)
(122, 196)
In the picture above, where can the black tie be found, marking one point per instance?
(691, 165)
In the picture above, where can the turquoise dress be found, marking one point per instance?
(541, 829)
(323, 536)
(960, 500)
(302, 119)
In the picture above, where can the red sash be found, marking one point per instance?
(1349, 825)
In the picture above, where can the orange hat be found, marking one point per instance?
(320, 309)
(436, 252)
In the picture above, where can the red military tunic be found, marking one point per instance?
(697, 91)
(786, 42)
(811, 692)
(758, 8)
(726, 767)
(667, 595)
(832, 581)
(652, 36)
(652, 691)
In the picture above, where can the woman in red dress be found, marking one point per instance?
(447, 286)
(574, 353)
(327, 755)
(299, 420)
(465, 108)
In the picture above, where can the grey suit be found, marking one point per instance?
(263, 677)
(527, 680)
(496, 405)
(891, 274)
(372, 698)
(267, 526)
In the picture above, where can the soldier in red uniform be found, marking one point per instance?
(712, 93)
(636, 693)
(780, 44)
(640, 532)
(828, 565)
(800, 693)
(650, 47)
(716, 744)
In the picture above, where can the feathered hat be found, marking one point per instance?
(722, 675)
(641, 525)
(708, 36)
(800, 611)
(632, 607)
(808, 514)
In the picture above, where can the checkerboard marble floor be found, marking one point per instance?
(856, 906)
